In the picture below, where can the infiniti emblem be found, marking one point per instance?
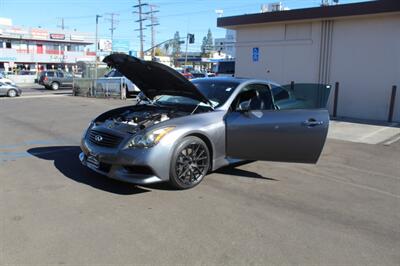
(98, 138)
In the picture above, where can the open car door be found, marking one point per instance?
(261, 132)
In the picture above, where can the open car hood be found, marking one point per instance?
(154, 78)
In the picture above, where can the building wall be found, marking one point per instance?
(285, 54)
(366, 61)
(364, 57)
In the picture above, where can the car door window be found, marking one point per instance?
(254, 97)
(279, 93)
(60, 74)
(306, 96)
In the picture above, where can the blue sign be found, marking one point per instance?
(256, 54)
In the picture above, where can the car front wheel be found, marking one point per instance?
(190, 163)
(12, 93)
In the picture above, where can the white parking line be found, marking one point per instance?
(391, 141)
(37, 96)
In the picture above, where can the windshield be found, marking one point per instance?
(113, 74)
(217, 92)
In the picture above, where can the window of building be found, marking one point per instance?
(8, 45)
(1, 44)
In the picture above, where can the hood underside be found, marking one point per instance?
(154, 78)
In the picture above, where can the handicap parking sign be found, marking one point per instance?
(256, 54)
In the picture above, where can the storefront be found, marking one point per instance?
(39, 49)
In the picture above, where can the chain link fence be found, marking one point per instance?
(99, 88)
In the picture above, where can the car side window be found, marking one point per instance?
(254, 97)
(279, 93)
(50, 74)
(60, 74)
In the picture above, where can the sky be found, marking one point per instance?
(185, 16)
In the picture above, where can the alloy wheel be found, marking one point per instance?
(192, 163)
(12, 93)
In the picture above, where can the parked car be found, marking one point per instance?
(130, 88)
(55, 79)
(7, 81)
(202, 75)
(224, 69)
(188, 75)
(186, 129)
(27, 72)
(9, 90)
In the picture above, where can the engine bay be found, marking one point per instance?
(132, 120)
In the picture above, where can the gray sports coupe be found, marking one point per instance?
(181, 130)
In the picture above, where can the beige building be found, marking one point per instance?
(357, 45)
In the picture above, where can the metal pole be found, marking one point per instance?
(187, 43)
(112, 32)
(141, 29)
(335, 99)
(392, 102)
(95, 44)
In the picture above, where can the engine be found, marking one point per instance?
(133, 121)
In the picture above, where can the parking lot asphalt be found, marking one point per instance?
(343, 211)
(34, 89)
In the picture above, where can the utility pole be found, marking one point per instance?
(153, 23)
(187, 43)
(96, 44)
(113, 22)
(139, 6)
(62, 25)
(189, 39)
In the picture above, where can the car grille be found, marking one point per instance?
(104, 139)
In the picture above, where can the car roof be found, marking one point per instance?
(241, 80)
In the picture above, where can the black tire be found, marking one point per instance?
(190, 163)
(55, 86)
(12, 93)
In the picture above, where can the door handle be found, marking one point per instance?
(312, 123)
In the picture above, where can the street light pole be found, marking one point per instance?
(96, 44)
(187, 43)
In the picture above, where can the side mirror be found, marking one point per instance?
(243, 107)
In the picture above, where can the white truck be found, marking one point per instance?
(115, 81)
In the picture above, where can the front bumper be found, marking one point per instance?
(137, 166)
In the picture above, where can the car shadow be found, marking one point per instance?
(66, 160)
(233, 170)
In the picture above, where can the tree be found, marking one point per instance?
(159, 52)
(203, 45)
(207, 44)
(210, 42)
(166, 47)
(176, 45)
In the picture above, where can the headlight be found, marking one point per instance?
(149, 139)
